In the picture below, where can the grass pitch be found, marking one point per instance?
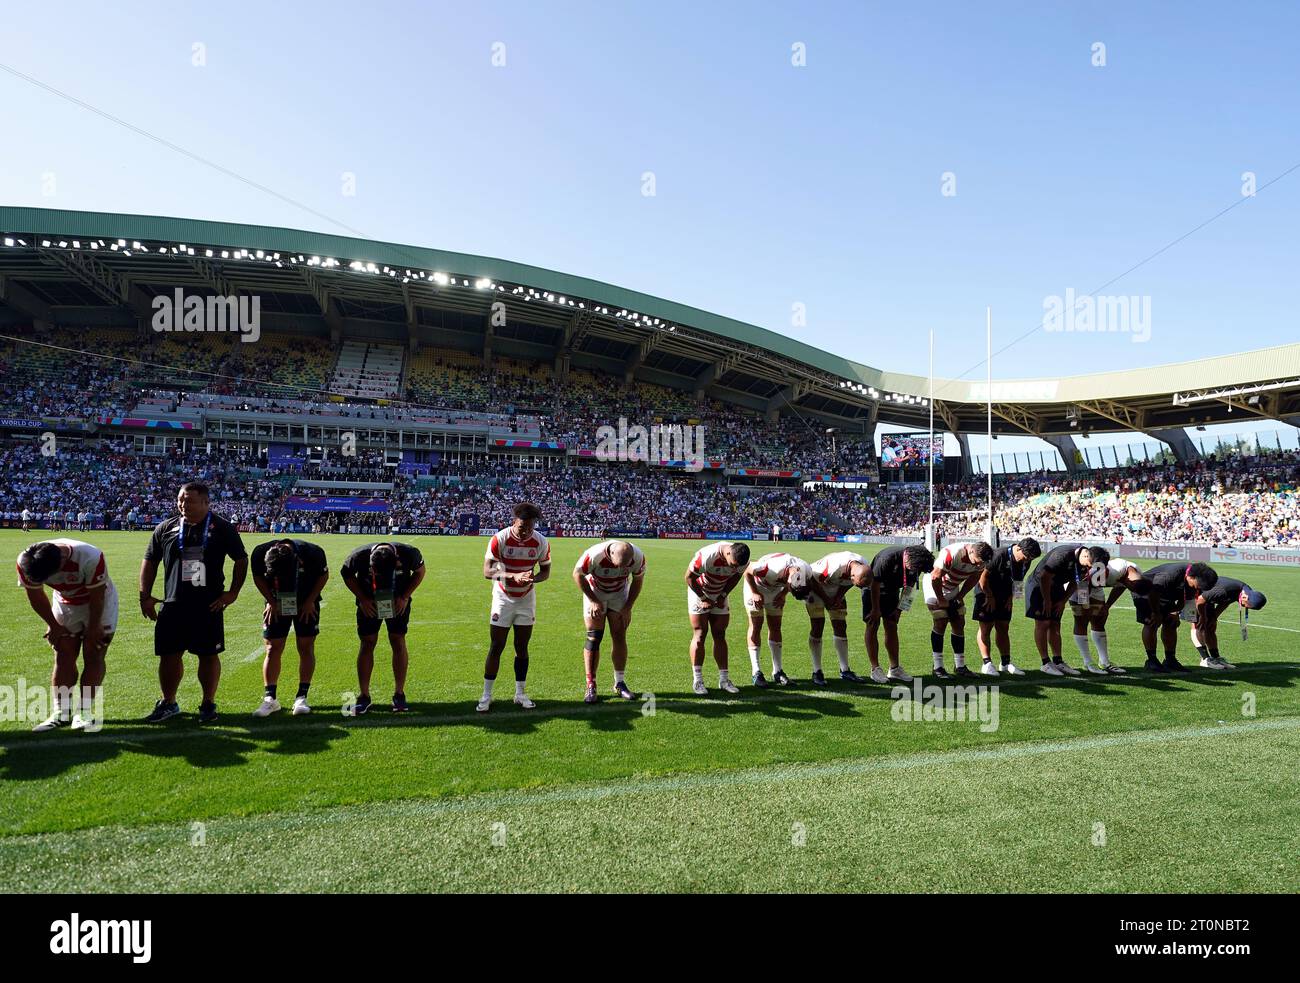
(1130, 783)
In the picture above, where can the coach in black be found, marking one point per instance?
(995, 594)
(382, 576)
(290, 575)
(1177, 589)
(895, 572)
(192, 547)
(1225, 593)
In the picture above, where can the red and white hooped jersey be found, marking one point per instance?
(832, 570)
(951, 573)
(712, 570)
(83, 571)
(605, 577)
(768, 570)
(518, 556)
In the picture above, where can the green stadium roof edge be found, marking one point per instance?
(760, 367)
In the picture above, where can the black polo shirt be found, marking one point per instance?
(887, 569)
(312, 563)
(1170, 579)
(1225, 590)
(1004, 571)
(1062, 563)
(357, 565)
(165, 548)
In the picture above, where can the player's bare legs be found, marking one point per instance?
(366, 664)
(523, 633)
(816, 627)
(63, 677)
(957, 627)
(209, 676)
(718, 629)
(401, 661)
(170, 670)
(840, 639)
(595, 622)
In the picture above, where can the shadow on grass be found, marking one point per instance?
(35, 757)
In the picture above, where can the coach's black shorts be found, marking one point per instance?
(1035, 608)
(1142, 609)
(995, 606)
(396, 625)
(302, 627)
(888, 602)
(188, 628)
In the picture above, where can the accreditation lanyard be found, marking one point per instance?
(192, 556)
(287, 600)
(1188, 612)
(1082, 588)
(384, 604)
(905, 596)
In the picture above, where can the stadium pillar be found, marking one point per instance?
(1179, 443)
(963, 441)
(1064, 443)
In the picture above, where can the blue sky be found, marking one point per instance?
(774, 184)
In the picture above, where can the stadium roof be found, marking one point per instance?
(61, 266)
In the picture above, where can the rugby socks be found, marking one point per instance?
(1082, 642)
(519, 687)
(1102, 643)
(302, 691)
(619, 675)
(815, 648)
(753, 660)
(270, 691)
(521, 669)
(698, 673)
(775, 649)
(959, 650)
(936, 648)
(487, 686)
(723, 675)
(841, 651)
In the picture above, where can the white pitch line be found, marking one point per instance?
(378, 719)
(766, 774)
(1129, 607)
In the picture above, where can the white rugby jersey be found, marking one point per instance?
(768, 570)
(82, 571)
(517, 556)
(712, 569)
(950, 574)
(1117, 570)
(832, 570)
(605, 577)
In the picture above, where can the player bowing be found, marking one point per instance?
(290, 575)
(711, 576)
(1121, 575)
(82, 619)
(1177, 591)
(957, 570)
(382, 576)
(511, 556)
(995, 592)
(1065, 572)
(610, 576)
(767, 582)
(1226, 593)
(835, 574)
(895, 573)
